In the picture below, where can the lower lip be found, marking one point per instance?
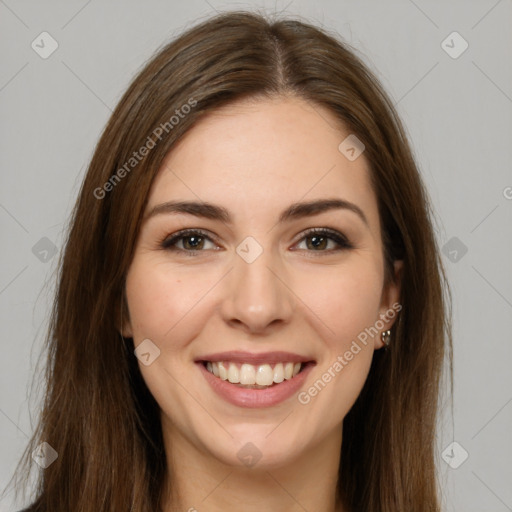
(255, 398)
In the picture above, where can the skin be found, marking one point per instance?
(255, 158)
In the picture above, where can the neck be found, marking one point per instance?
(198, 481)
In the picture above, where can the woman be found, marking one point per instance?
(250, 312)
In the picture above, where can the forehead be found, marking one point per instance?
(265, 152)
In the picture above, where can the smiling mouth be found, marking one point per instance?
(249, 376)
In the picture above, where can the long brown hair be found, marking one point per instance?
(98, 414)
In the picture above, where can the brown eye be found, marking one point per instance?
(193, 242)
(190, 240)
(317, 240)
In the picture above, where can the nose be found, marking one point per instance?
(257, 298)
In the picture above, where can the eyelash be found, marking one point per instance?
(339, 238)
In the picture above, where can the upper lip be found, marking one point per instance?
(238, 356)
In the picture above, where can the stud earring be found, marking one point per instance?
(385, 336)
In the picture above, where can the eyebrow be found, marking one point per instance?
(215, 212)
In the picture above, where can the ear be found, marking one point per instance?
(123, 323)
(126, 329)
(390, 305)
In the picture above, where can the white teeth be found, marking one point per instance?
(278, 373)
(233, 373)
(247, 374)
(223, 373)
(288, 371)
(264, 375)
(250, 375)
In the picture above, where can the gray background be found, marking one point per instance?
(458, 113)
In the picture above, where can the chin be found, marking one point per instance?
(258, 447)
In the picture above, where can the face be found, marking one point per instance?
(226, 313)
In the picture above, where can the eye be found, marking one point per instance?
(194, 240)
(191, 240)
(320, 238)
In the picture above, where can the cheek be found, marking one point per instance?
(161, 299)
(342, 303)
(345, 305)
